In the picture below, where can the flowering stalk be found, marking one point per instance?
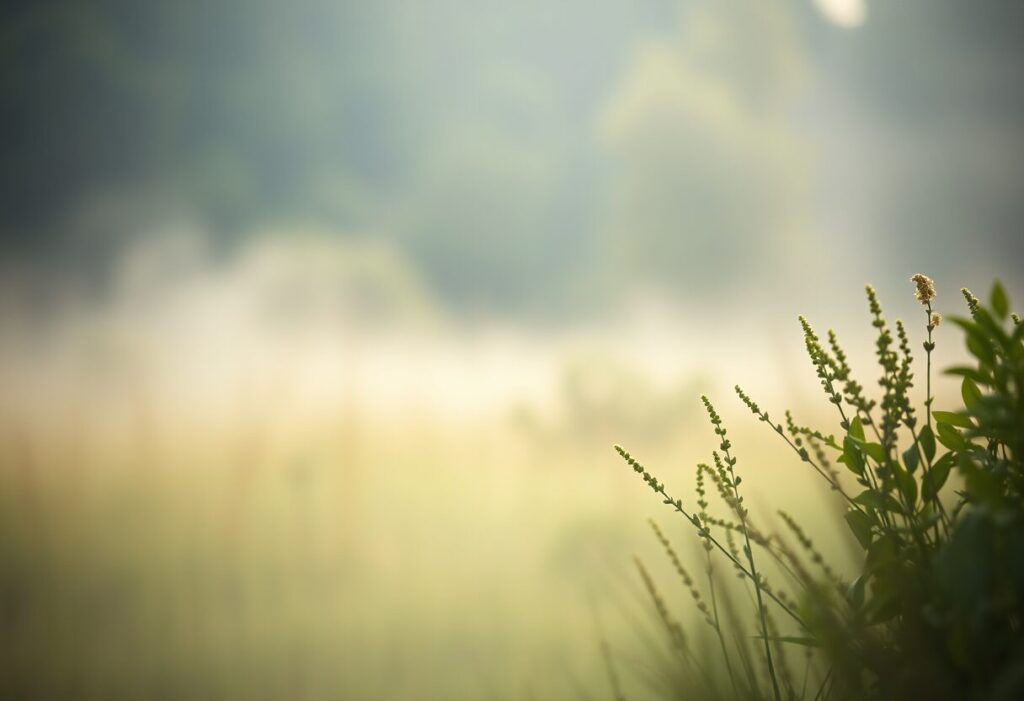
(925, 293)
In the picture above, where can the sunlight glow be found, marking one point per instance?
(844, 13)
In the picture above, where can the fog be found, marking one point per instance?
(318, 320)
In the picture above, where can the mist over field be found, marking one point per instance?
(318, 319)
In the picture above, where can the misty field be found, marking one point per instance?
(377, 349)
(282, 539)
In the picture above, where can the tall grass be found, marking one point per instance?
(935, 606)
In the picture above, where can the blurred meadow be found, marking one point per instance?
(318, 319)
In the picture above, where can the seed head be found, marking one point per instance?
(925, 292)
(935, 320)
(972, 301)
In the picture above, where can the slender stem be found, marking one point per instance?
(874, 429)
(753, 571)
(928, 406)
(807, 458)
(817, 468)
(928, 377)
(807, 674)
(609, 661)
(824, 683)
(718, 627)
(927, 467)
(870, 422)
(706, 533)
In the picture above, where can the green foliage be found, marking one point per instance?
(937, 607)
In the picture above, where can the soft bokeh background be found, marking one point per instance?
(317, 319)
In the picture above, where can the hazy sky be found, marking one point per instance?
(526, 158)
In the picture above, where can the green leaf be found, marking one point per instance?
(855, 592)
(871, 450)
(983, 484)
(791, 639)
(999, 301)
(969, 563)
(950, 437)
(928, 517)
(978, 342)
(881, 553)
(911, 458)
(972, 373)
(970, 392)
(927, 441)
(992, 329)
(857, 428)
(860, 524)
(981, 350)
(852, 456)
(907, 484)
(875, 451)
(952, 418)
(878, 500)
(936, 477)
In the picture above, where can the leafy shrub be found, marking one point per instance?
(937, 608)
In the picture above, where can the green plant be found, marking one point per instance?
(936, 606)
